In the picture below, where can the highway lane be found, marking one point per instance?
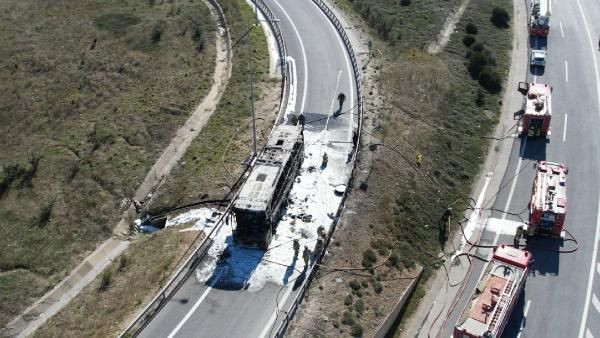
(556, 292)
(222, 307)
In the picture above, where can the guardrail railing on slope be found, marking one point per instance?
(357, 78)
(188, 267)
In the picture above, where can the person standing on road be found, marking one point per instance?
(341, 98)
(296, 248)
(306, 256)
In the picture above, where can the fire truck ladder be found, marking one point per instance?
(501, 306)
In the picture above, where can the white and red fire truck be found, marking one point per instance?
(539, 18)
(496, 294)
(548, 206)
(536, 117)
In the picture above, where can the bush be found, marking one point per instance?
(348, 300)
(354, 285)
(476, 63)
(378, 287)
(394, 259)
(357, 330)
(157, 31)
(369, 258)
(478, 47)
(490, 80)
(348, 318)
(500, 17)
(116, 22)
(359, 306)
(470, 28)
(468, 40)
(105, 279)
(405, 2)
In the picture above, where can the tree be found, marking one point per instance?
(471, 28)
(468, 40)
(500, 17)
(490, 80)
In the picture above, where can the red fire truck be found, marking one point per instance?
(535, 120)
(496, 294)
(539, 18)
(548, 206)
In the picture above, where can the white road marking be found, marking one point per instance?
(534, 78)
(561, 30)
(596, 303)
(524, 318)
(265, 333)
(513, 185)
(598, 268)
(566, 71)
(305, 63)
(337, 85)
(193, 309)
(565, 128)
(588, 334)
(584, 315)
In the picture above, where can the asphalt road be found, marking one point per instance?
(560, 298)
(217, 308)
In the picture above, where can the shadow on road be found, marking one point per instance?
(538, 42)
(235, 266)
(535, 149)
(537, 70)
(546, 255)
(517, 320)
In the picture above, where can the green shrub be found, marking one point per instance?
(369, 258)
(478, 47)
(476, 63)
(105, 279)
(405, 2)
(348, 300)
(500, 17)
(470, 28)
(354, 285)
(490, 80)
(480, 99)
(378, 287)
(348, 318)
(468, 40)
(357, 330)
(359, 306)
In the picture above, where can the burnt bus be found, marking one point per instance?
(258, 206)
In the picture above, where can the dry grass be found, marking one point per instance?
(104, 307)
(94, 90)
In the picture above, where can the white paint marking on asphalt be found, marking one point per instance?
(513, 184)
(588, 333)
(522, 326)
(561, 30)
(266, 332)
(193, 309)
(596, 303)
(566, 71)
(348, 69)
(305, 62)
(535, 78)
(598, 268)
(333, 100)
(565, 128)
(586, 307)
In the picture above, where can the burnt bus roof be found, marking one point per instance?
(257, 191)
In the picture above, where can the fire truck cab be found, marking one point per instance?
(535, 120)
(548, 206)
(539, 18)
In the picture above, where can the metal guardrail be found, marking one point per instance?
(357, 78)
(136, 326)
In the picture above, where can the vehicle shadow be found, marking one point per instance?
(235, 266)
(545, 252)
(517, 321)
(538, 42)
(535, 149)
(537, 70)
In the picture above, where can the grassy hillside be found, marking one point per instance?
(92, 91)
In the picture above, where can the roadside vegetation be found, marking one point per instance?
(423, 144)
(103, 308)
(126, 286)
(214, 160)
(92, 92)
